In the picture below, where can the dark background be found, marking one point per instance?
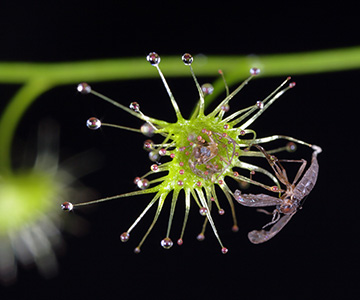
(314, 256)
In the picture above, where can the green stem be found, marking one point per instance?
(39, 77)
(138, 68)
(12, 116)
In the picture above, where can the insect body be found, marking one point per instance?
(290, 200)
(204, 153)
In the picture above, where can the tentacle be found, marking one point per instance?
(162, 197)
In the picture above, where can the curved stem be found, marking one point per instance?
(39, 77)
(13, 114)
(289, 64)
(235, 67)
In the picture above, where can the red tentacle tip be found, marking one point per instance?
(224, 250)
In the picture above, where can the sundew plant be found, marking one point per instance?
(196, 154)
(193, 163)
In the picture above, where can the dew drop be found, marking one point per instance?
(187, 59)
(292, 84)
(207, 89)
(167, 243)
(143, 184)
(67, 206)
(254, 71)
(93, 123)
(153, 58)
(83, 88)
(137, 179)
(224, 250)
(135, 106)
(147, 129)
(203, 211)
(180, 183)
(221, 211)
(180, 242)
(137, 250)
(124, 237)
(291, 147)
(259, 104)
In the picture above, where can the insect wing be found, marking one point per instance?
(261, 236)
(307, 182)
(258, 200)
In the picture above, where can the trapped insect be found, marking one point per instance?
(204, 152)
(290, 200)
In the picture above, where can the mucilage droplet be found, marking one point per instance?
(93, 123)
(67, 206)
(153, 58)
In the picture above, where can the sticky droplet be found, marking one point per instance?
(254, 71)
(153, 58)
(224, 250)
(154, 168)
(259, 104)
(147, 129)
(225, 107)
(124, 237)
(148, 145)
(200, 237)
(143, 184)
(187, 59)
(93, 123)
(291, 147)
(203, 211)
(135, 106)
(235, 228)
(83, 88)
(154, 155)
(207, 89)
(167, 243)
(67, 206)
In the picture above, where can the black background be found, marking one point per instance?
(314, 256)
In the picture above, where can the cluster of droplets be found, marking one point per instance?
(199, 157)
